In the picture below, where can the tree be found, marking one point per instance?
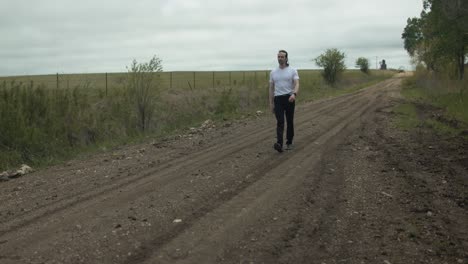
(412, 35)
(143, 86)
(332, 62)
(439, 38)
(363, 64)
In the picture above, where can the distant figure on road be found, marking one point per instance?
(284, 86)
(383, 65)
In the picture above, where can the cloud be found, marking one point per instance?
(48, 36)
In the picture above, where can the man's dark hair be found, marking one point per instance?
(285, 52)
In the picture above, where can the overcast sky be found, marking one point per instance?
(70, 36)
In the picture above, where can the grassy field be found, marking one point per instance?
(168, 80)
(172, 80)
(42, 122)
(436, 102)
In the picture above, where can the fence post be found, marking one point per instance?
(57, 81)
(106, 83)
(213, 79)
(170, 81)
(194, 86)
(243, 77)
(229, 79)
(255, 79)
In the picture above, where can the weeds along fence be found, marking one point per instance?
(179, 80)
(167, 80)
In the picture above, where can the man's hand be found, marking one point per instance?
(272, 108)
(292, 98)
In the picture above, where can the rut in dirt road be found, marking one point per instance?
(197, 204)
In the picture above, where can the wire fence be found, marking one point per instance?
(167, 80)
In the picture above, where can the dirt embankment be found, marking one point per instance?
(354, 190)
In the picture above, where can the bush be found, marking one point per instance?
(332, 62)
(37, 121)
(142, 87)
(363, 64)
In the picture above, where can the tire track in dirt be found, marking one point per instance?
(313, 207)
(246, 207)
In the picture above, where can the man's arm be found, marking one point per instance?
(296, 86)
(292, 98)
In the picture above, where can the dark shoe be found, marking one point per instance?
(289, 146)
(278, 147)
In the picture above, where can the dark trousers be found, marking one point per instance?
(284, 108)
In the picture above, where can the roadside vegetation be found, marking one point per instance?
(333, 63)
(438, 39)
(42, 125)
(435, 102)
(363, 64)
(437, 94)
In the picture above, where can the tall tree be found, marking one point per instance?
(440, 37)
(444, 27)
(412, 35)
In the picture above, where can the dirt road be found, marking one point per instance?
(354, 190)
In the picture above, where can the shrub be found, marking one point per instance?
(332, 62)
(142, 87)
(363, 64)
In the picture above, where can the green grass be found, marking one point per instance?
(313, 86)
(408, 116)
(168, 80)
(450, 97)
(180, 80)
(455, 105)
(42, 124)
(442, 128)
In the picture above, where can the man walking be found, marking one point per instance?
(284, 86)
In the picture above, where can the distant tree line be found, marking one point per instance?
(439, 38)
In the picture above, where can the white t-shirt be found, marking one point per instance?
(283, 79)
